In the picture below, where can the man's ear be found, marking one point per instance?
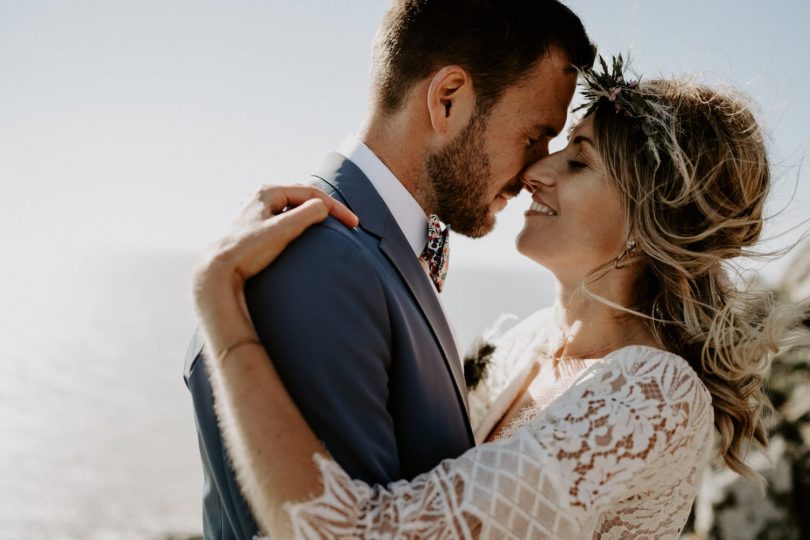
(451, 101)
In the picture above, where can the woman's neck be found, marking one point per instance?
(590, 328)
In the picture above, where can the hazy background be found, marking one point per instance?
(129, 134)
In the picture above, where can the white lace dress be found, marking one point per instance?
(618, 454)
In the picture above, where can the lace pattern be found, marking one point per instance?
(550, 393)
(617, 455)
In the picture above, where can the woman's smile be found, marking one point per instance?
(540, 208)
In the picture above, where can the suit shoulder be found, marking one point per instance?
(330, 238)
(327, 259)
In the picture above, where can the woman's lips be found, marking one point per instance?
(539, 206)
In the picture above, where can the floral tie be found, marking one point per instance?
(437, 251)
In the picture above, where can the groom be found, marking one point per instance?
(466, 94)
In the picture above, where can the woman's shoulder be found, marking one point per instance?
(636, 422)
(656, 378)
(645, 362)
(638, 395)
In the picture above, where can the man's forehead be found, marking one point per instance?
(541, 103)
(552, 103)
(548, 122)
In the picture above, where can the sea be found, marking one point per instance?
(97, 435)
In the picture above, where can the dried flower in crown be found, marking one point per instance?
(609, 86)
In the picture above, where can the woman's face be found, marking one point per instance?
(576, 222)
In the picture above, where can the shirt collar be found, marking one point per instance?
(406, 211)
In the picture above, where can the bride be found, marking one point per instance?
(608, 422)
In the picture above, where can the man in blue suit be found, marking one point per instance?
(466, 94)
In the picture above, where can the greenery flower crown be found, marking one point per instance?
(609, 87)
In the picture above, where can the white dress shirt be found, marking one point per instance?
(406, 211)
(403, 207)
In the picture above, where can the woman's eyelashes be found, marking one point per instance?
(575, 165)
(578, 163)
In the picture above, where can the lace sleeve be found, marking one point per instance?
(591, 448)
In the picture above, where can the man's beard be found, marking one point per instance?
(460, 177)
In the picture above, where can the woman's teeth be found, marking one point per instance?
(542, 208)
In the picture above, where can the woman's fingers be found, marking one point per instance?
(284, 228)
(271, 237)
(268, 222)
(277, 198)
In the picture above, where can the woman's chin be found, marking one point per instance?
(528, 247)
(521, 243)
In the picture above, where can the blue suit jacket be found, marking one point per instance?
(361, 343)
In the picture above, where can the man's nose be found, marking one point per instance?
(537, 174)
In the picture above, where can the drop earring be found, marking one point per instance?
(627, 255)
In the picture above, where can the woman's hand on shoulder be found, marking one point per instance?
(267, 223)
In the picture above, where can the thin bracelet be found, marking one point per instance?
(227, 350)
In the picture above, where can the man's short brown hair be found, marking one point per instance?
(496, 41)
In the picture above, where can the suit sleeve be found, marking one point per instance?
(321, 311)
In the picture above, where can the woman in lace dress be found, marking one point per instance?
(605, 420)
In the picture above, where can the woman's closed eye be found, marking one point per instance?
(578, 163)
(575, 165)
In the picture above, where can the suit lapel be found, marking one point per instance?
(342, 176)
(399, 252)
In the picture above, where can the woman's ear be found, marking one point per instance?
(451, 101)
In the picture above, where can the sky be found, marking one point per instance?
(141, 125)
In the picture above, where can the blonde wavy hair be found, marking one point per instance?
(693, 203)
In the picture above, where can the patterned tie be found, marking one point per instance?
(437, 251)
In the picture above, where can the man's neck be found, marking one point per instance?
(397, 142)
